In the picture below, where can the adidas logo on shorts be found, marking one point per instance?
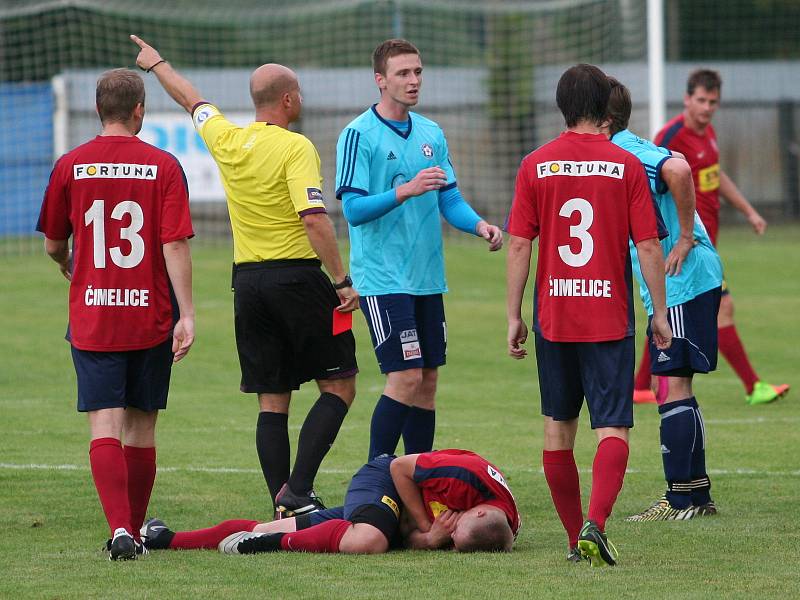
(663, 358)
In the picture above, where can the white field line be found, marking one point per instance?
(190, 469)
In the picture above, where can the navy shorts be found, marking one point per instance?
(371, 498)
(138, 378)
(602, 372)
(408, 332)
(694, 338)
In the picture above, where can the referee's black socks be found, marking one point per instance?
(316, 438)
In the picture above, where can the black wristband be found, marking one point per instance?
(155, 65)
(344, 283)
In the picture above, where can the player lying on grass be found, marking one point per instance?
(439, 499)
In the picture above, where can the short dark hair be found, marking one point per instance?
(704, 78)
(388, 49)
(491, 533)
(619, 106)
(118, 93)
(582, 94)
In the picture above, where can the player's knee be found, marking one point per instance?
(363, 538)
(344, 388)
(408, 382)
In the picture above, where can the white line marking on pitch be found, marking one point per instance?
(70, 467)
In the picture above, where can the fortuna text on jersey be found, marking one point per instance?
(580, 168)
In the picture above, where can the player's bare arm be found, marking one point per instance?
(427, 180)
(651, 260)
(440, 535)
(677, 175)
(178, 259)
(322, 237)
(491, 233)
(731, 193)
(518, 263)
(176, 85)
(58, 250)
(402, 470)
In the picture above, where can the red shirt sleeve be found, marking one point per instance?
(54, 220)
(641, 212)
(176, 221)
(523, 221)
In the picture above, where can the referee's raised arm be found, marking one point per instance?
(176, 85)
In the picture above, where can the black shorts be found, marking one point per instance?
(283, 312)
(602, 372)
(137, 378)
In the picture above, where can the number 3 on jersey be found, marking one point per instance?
(95, 217)
(579, 231)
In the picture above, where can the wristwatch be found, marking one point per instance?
(344, 283)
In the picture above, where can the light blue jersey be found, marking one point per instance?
(702, 269)
(400, 252)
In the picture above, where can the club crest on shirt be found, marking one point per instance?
(315, 196)
(427, 150)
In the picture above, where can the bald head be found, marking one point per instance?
(270, 82)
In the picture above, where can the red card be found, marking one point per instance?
(342, 322)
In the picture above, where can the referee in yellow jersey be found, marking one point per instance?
(283, 303)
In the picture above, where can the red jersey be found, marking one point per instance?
(702, 154)
(460, 480)
(120, 199)
(584, 197)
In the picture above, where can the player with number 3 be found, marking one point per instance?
(125, 205)
(584, 199)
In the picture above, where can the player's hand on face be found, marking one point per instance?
(148, 56)
(678, 254)
(426, 180)
(349, 299)
(182, 337)
(517, 335)
(661, 332)
(492, 234)
(758, 223)
(442, 528)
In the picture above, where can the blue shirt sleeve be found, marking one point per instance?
(352, 163)
(359, 209)
(456, 210)
(447, 165)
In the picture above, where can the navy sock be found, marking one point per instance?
(701, 484)
(419, 430)
(272, 445)
(677, 440)
(317, 435)
(388, 420)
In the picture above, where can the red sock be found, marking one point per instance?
(141, 475)
(324, 537)
(561, 474)
(732, 349)
(209, 538)
(110, 474)
(608, 471)
(642, 381)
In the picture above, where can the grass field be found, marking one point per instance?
(52, 526)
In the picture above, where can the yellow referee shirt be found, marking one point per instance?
(271, 177)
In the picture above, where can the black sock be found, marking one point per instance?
(272, 445)
(316, 438)
(419, 430)
(388, 420)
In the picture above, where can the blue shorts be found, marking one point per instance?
(694, 338)
(137, 378)
(408, 332)
(602, 372)
(371, 498)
